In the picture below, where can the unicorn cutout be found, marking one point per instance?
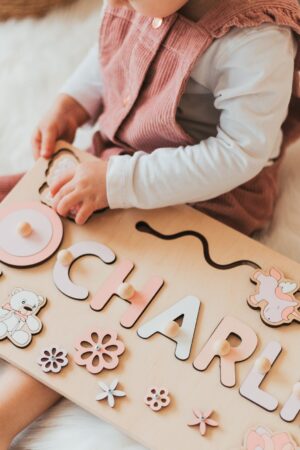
(275, 297)
(263, 439)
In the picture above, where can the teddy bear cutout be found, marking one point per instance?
(18, 321)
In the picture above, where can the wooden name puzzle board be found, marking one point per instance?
(173, 327)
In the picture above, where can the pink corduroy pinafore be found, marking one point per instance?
(146, 65)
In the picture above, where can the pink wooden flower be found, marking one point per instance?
(98, 350)
(157, 398)
(264, 439)
(53, 359)
(202, 419)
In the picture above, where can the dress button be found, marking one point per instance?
(157, 22)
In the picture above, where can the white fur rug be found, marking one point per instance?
(35, 59)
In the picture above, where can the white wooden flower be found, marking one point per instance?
(110, 392)
(53, 359)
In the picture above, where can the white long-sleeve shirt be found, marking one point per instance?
(234, 105)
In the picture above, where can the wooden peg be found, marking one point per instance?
(65, 257)
(126, 291)
(24, 229)
(263, 365)
(171, 329)
(222, 347)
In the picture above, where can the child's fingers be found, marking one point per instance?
(83, 214)
(61, 181)
(69, 134)
(49, 136)
(69, 202)
(36, 143)
(65, 190)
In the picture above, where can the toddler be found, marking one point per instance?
(189, 98)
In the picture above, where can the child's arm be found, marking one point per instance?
(250, 74)
(79, 101)
(85, 84)
(22, 400)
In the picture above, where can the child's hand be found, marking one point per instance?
(60, 122)
(83, 188)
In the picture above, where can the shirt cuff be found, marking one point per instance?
(85, 84)
(116, 184)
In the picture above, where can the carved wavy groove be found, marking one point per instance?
(144, 227)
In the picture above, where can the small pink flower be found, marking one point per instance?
(98, 350)
(53, 359)
(157, 398)
(202, 419)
